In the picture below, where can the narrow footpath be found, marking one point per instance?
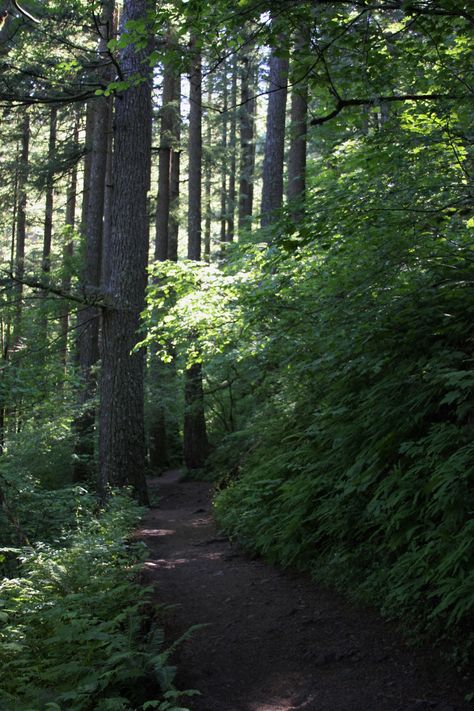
(274, 641)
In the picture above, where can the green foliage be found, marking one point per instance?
(345, 438)
(75, 629)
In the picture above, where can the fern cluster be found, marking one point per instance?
(75, 625)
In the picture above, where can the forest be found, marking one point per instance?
(236, 240)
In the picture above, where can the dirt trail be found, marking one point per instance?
(275, 641)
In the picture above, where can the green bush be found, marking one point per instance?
(75, 626)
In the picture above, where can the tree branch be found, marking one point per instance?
(341, 104)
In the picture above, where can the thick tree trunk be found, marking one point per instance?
(195, 443)
(88, 317)
(298, 133)
(108, 194)
(272, 190)
(121, 424)
(247, 142)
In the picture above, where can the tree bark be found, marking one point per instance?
(121, 424)
(247, 142)
(68, 248)
(298, 132)
(232, 156)
(49, 202)
(164, 166)
(272, 190)
(195, 443)
(21, 228)
(195, 157)
(224, 166)
(208, 177)
(88, 317)
(173, 226)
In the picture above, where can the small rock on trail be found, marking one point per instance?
(273, 640)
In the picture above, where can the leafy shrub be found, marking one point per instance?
(75, 629)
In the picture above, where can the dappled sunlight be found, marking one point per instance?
(155, 532)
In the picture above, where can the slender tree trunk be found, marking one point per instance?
(208, 178)
(195, 444)
(48, 213)
(158, 439)
(173, 226)
(48, 228)
(298, 132)
(232, 155)
(164, 167)
(121, 430)
(272, 190)
(195, 160)
(21, 227)
(68, 248)
(88, 317)
(224, 165)
(247, 142)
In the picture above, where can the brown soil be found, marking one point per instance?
(274, 640)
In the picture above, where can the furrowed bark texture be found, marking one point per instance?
(122, 432)
(272, 190)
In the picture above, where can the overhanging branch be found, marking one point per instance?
(342, 104)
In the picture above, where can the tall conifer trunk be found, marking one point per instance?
(121, 423)
(298, 131)
(247, 141)
(68, 248)
(195, 444)
(88, 317)
(232, 155)
(272, 190)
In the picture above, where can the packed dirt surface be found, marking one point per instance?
(274, 640)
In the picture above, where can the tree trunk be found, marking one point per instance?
(158, 439)
(68, 248)
(195, 444)
(173, 226)
(208, 177)
(164, 167)
(224, 166)
(21, 227)
(88, 317)
(247, 142)
(298, 133)
(272, 190)
(121, 424)
(48, 213)
(232, 156)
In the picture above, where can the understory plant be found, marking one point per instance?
(76, 627)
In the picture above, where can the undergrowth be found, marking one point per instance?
(76, 627)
